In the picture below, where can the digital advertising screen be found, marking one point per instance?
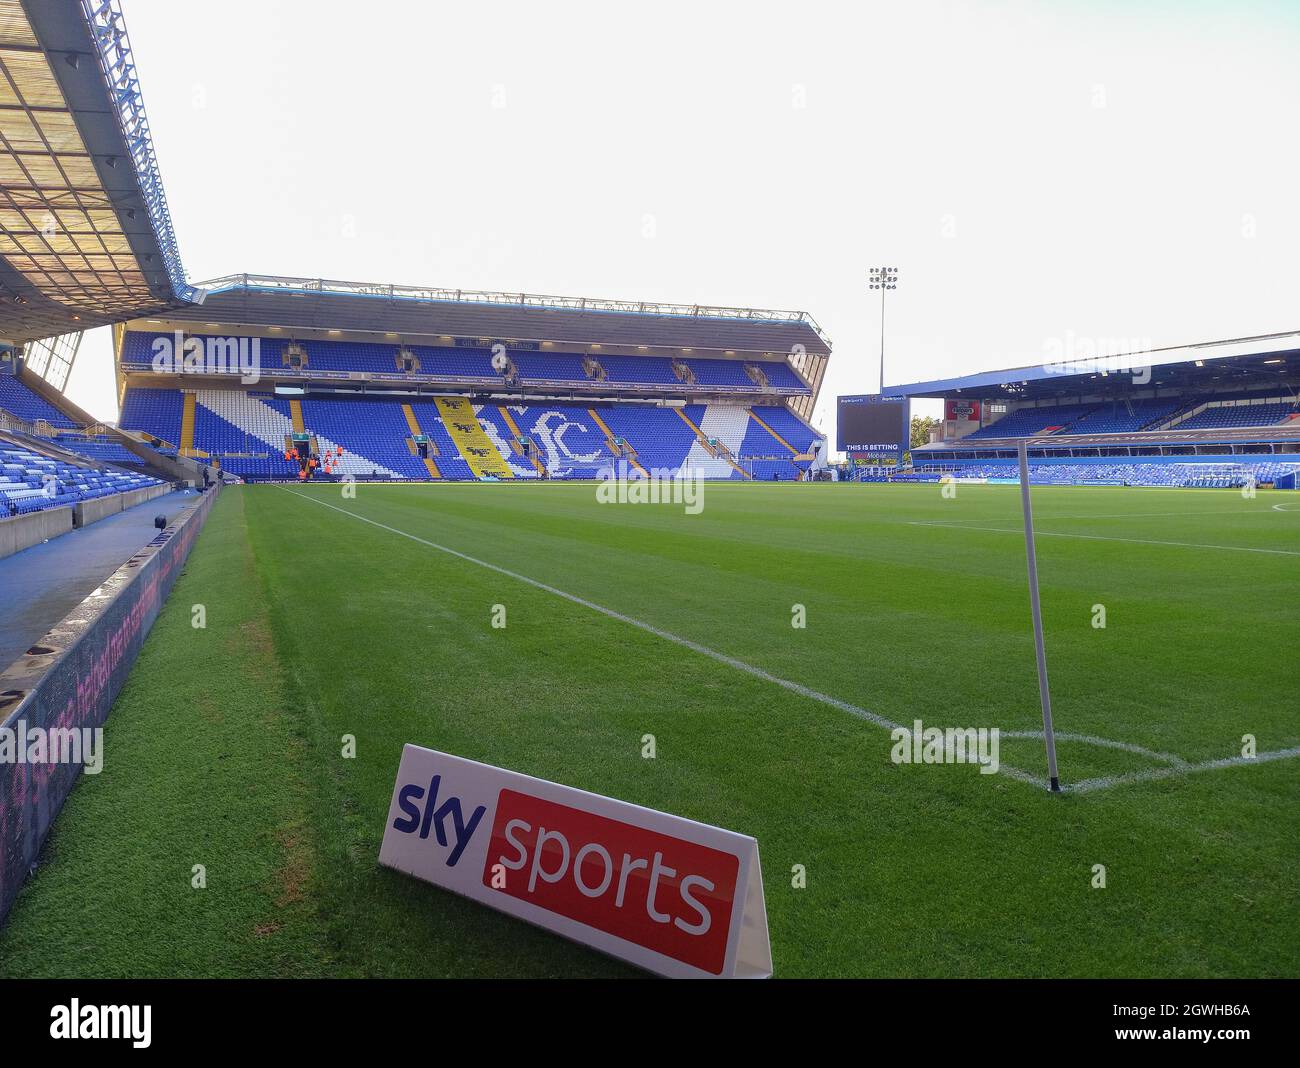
(872, 425)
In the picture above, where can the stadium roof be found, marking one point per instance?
(85, 235)
(1238, 362)
(315, 303)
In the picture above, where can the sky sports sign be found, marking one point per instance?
(670, 895)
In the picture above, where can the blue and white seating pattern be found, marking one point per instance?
(30, 482)
(246, 431)
(232, 421)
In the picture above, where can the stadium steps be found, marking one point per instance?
(295, 413)
(754, 416)
(414, 425)
(514, 429)
(471, 439)
(428, 462)
(629, 450)
(187, 426)
(699, 434)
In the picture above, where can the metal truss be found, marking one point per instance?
(114, 47)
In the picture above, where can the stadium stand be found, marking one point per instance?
(155, 411)
(246, 431)
(474, 365)
(789, 426)
(1033, 421)
(19, 400)
(30, 481)
(99, 449)
(1230, 415)
(1206, 475)
(1116, 417)
(1215, 414)
(413, 386)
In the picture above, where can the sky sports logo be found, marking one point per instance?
(441, 818)
(653, 889)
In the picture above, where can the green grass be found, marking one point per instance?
(225, 748)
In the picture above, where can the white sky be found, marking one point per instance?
(1042, 174)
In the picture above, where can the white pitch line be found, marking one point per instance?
(1151, 774)
(1104, 743)
(1114, 515)
(1177, 765)
(1104, 537)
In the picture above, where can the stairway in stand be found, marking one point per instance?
(187, 427)
(628, 452)
(414, 424)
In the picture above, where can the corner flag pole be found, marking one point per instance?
(1044, 690)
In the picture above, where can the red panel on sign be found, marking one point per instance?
(964, 410)
(658, 891)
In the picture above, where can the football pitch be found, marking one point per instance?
(249, 762)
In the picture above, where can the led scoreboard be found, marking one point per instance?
(873, 425)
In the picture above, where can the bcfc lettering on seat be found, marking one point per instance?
(656, 890)
(436, 816)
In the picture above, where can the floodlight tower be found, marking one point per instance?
(883, 279)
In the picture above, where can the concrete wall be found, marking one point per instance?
(22, 531)
(73, 682)
(178, 469)
(98, 508)
(92, 511)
